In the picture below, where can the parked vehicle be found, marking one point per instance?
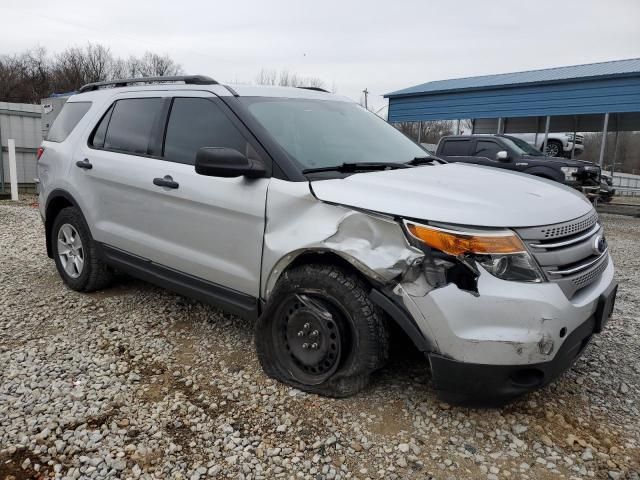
(514, 154)
(558, 144)
(607, 191)
(430, 148)
(304, 211)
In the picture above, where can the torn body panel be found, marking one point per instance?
(297, 223)
(505, 323)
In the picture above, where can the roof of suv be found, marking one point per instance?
(223, 90)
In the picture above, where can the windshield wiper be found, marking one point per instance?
(423, 160)
(357, 167)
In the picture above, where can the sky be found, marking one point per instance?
(351, 45)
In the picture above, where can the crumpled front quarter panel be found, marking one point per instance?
(297, 222)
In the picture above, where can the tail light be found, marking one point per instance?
(40, 152)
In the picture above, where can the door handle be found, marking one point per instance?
(166, 181)
(86, 164)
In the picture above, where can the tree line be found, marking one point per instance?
(623, 151)
(35, 74)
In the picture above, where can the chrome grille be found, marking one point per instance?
(589, 277)
(565, 251)
(569, 228)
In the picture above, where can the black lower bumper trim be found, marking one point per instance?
(492, 385)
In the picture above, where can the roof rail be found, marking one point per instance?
(316, 89)
(123, 82)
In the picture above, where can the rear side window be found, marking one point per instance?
(455, 148)
(130, 124)
(67, 119)
(198, 122)
(101, 131)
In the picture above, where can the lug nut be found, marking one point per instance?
(307, 326)
(314, 346)
(305, 345)
(315, 333)
(300, 333)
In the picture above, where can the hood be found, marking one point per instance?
(457, 193)
(564, 161)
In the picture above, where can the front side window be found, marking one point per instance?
(67, 119)
(522, 147)
(487, 149)
(198, 122)
(129, 129)
(327, 133)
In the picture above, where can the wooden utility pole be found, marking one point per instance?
(366, 94)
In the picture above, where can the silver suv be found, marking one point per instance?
(303, 211)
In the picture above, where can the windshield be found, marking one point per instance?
(327, 133)
(522, 147)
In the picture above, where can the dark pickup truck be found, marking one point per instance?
(510, 153)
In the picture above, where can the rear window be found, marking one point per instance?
(455, 148)
(130, 125)
(66, 121)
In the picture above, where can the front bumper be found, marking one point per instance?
(508, 339)
(569, 146)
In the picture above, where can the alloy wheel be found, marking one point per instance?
(70, 250)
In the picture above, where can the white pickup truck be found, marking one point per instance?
(558, 144)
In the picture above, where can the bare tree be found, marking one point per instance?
(427, 132)
(32, 75)
(154, 65)
(287, 79)
(626, 155)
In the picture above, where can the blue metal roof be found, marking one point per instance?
(591, 71)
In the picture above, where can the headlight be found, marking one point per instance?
(501, 253)
(569, 172)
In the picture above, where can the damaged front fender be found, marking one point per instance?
(298, 223)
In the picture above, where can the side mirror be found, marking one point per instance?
(227, 163)
(502, 156)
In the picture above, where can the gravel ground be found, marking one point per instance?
(137, 382)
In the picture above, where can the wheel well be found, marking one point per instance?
(395, 315)
(327, 258)
(54, 207)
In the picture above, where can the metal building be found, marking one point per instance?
(21, 122)
(586, 98)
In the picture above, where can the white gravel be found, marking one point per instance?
(137, 382)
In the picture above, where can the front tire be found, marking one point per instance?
(75, 253)
(320, 332)
(554, 149)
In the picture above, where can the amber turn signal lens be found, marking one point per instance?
(455, 243)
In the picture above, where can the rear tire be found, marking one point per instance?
(320, 332)
(75, 253)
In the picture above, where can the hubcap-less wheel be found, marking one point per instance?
(308, 337)
(70, 250)
(552, 150)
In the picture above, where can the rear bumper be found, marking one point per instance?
(490, 385)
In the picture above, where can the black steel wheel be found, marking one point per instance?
(320, 332)
(309, 332)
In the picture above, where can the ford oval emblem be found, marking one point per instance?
(599, 245)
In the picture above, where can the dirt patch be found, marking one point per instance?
(389, 420)
(11, 467)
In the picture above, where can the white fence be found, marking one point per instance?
(626, 184)
(21, 122)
